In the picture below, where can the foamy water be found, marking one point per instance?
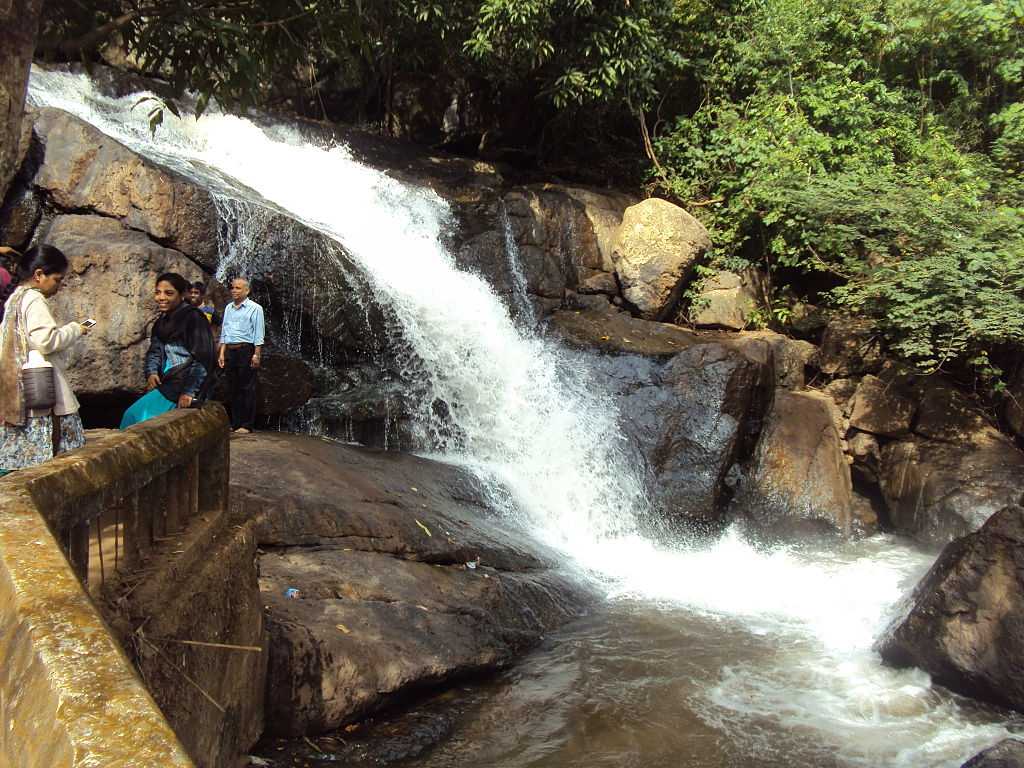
(533, 424)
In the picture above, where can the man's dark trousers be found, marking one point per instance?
(241, 384)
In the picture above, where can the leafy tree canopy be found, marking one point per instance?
(872, 148)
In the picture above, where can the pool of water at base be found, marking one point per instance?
(637, 683)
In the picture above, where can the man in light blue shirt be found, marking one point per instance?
(241, 349)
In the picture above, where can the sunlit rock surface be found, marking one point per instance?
(405, 577)
(656, 251)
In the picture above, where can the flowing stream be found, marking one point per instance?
(707, 656)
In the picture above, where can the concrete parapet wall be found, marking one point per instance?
(68, 694)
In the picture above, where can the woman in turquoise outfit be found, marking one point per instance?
(180, 357)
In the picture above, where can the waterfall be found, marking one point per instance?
(524, 415)
(520, 298)
(528, 419)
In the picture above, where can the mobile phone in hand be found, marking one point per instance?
(89, 322)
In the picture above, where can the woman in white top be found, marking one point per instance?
(29, 438)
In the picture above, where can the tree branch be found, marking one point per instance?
(90, 40)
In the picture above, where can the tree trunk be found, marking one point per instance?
(19, 21)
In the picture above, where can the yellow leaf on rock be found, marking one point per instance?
(425, 529)
(344, 629)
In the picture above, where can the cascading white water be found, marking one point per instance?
(520, 298)
(530, 421)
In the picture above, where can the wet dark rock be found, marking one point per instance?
(367, 408)
(692, 419)
(937, 491)
(285, 383)
(19, 22)
(377, 545)
(1008, 753)
(964, 623)
(790, 357)
(798, 479)
(559, 234)
(19, 216)
(879, 407)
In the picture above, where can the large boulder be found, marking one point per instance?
(544, 239)
(936, 491)
(84, 170)
(656, 251)
(964, 623)
(616, 332)
(113, 271)
(798, 479)
(693, 419)
(1008, 753)
(404, 577)
(945, 414)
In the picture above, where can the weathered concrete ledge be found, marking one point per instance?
(68, 694)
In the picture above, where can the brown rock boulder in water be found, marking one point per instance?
(965, 620)
(799, 478)
(405, 577)
(657, 248)
(692, 420)
(937, 491)
(1008, 753)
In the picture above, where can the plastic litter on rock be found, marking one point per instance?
(291, 593)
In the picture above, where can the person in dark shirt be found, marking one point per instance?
(197, 298)
(181, 354)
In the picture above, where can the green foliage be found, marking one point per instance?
(579, 51)
(879, 143)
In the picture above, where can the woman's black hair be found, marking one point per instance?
(45, 257)
(180, 284)
(199, 286)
